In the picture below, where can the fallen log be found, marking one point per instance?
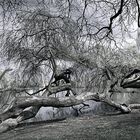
(26, 107)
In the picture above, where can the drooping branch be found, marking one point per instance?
(138, 6)
(4, 72)
(111, 20)
(116, 15)
(52, 90)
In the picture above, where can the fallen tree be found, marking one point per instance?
(25, 107)
(22, 108)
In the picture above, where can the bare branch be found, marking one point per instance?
(138, 6)
(111, 20)
(4, 72)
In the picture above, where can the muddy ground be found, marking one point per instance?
(95, 127)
